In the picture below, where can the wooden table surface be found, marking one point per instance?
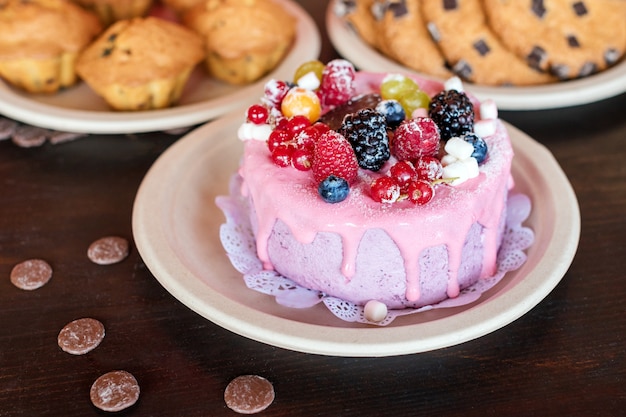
(563, 358)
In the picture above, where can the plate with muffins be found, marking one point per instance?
(141, 66)
(524, 55)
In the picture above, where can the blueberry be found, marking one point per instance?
(480, 147)
(393, 112)
(333, 189)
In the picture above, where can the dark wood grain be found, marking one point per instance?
(563, 358)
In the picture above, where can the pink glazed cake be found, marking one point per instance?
(400, 212)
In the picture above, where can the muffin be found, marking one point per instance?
(141, 63)
(111, 11)
(244, 39)
(179, 7)
(40, 41)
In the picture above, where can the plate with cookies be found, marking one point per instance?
(523, 55)
(173, 66)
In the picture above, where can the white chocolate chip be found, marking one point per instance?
(459, 148)
(485, 128)
(375, 311)
(453, 83)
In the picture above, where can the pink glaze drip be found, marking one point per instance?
(291, 196)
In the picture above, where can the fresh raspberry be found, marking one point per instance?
(414, 138)
(337, 82)
(333, 155)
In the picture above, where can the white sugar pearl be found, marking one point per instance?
(453, 83)
(484, 128)
(488, 109)
(309, 81)
(375, 311)
(459, 148)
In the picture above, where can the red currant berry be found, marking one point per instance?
(428, 168)
(277, 138)
(297, 123)
(257, 114)
(421, 192)
(302, 159)
(282, 154)
(385, 190)
(275, 92)
(403, 172)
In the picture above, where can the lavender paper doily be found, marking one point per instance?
(240, 245)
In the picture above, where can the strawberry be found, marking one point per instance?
(414, 138)
(334, 155)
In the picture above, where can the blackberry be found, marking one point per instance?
(453, 112)
(366, 130)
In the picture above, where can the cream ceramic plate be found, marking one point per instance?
(603, 85)
(176, 230)
(79, 109)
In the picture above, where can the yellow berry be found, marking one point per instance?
(301, 102)
(414, 100)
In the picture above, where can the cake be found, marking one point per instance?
(244, 39)
(110, 11)
(40, 41)
(364, 203)
(141, 63)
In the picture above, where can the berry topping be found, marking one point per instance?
(281, 155)
(421, 192)
(428, 168)
(302, 159)
(301, 102)
(333, 189)
(404, 173)
(275, 91)
(334, 117)
(385, 190)
(453, 112)
(309, 75)
(395, 86)
(415, 138)
(333, 155)
(337, 82)
(366, 130)
(393, 111)
(296, 124)
(257, 114)
(278, 137)
(480, 147)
